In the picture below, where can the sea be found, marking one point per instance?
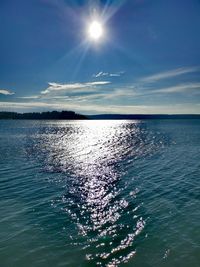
(100, 193)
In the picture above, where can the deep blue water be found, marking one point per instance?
(100, 193)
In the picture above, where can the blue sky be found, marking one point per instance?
(148, 60)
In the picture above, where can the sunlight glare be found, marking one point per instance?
(95, 30)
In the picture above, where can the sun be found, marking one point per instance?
(95, 30)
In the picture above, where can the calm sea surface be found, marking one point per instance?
(100, 193)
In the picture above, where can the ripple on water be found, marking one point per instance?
(100, 193)
(104, 208)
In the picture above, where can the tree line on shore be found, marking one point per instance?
(49, 115)
(71, 115)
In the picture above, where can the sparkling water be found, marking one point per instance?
(100, 193)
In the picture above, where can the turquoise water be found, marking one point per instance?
(99, 193)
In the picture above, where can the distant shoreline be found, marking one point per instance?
(49, 115)
(143, 116)
(71, 115)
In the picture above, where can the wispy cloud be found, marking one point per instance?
(6, 92)
(111, 95)
(189, 108)
(107, 74)
(100, 74)
(30, 97)
(169, 74)
(178, 88)
(72, 86)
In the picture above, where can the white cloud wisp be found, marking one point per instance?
(72, 86)
(169, 74)
(6, 92)
(107, 74)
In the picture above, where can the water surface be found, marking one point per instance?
(99, 193)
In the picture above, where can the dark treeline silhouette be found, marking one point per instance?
(71, 115)
(142, 116)
(49, 115)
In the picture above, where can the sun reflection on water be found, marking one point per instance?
(93, 155)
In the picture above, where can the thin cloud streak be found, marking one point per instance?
(107, 74)
(178, 88)
(6, 92)
(72, 86)
(169, 74)
(30, 97)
